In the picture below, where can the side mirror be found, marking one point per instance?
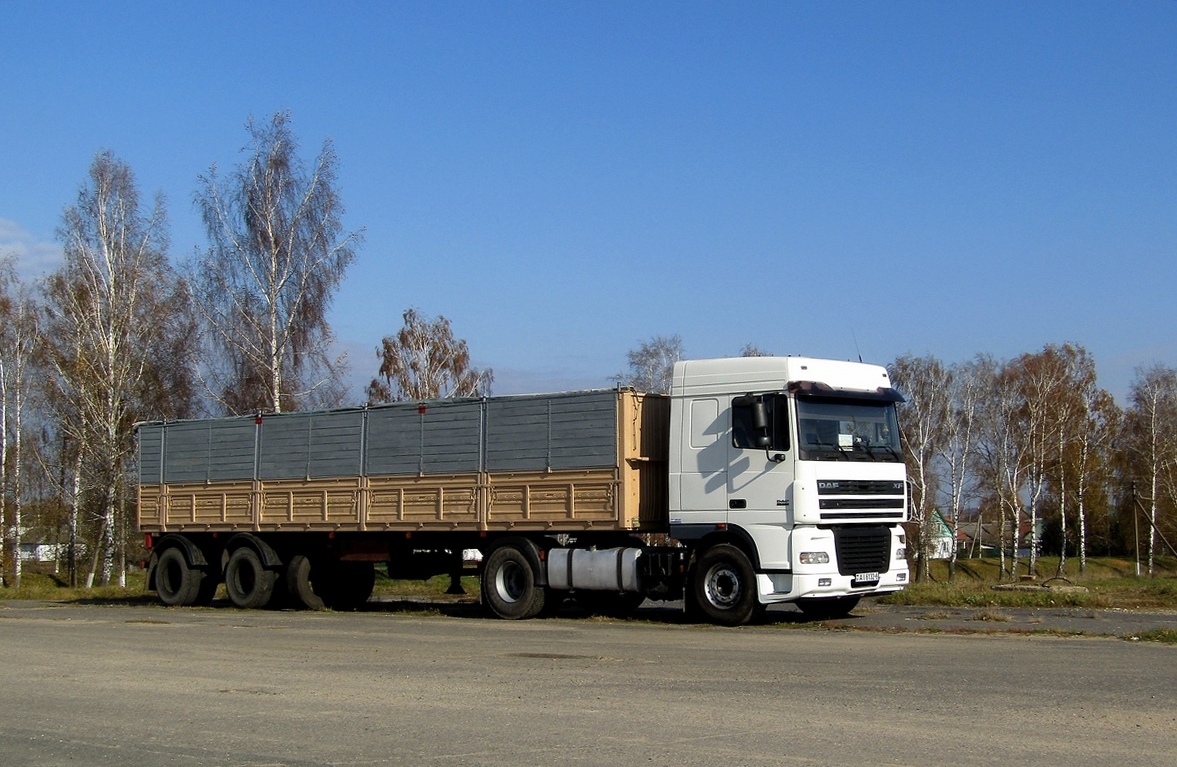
(759, 416)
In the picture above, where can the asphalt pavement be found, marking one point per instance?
(406, 684)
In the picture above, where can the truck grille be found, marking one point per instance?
(859, 487)
(862, 549)
(876, 499)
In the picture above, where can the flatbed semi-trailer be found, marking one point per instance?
(560, 492)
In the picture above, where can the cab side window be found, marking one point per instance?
(760, 422)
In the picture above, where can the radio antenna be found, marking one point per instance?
(856, 350)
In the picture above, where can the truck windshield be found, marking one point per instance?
(838, 429)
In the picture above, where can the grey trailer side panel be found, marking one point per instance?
(311, 445)
(150, 453)
(433, 438)
(562, 431)
(209, 451)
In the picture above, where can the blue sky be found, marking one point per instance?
(564, 180)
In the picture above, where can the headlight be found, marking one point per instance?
(901, 553)
(815, 558)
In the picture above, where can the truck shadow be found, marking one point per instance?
(670, 613)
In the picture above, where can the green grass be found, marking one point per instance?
(434, 589)
(1164, 636)
(55, 588)
(1110, 583)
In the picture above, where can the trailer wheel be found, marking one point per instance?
(724, 586)
(509, 585)
(825, 608)
(177, 583)
(350, 584)
(249, 583)
(307, 583)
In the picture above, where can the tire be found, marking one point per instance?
(509, 587)
(724, 586)
(177, 583)
(307, 583)
(825, 608)
(350, 584)
(249, 583)
(611, 604)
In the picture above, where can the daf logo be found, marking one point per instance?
(828, 485)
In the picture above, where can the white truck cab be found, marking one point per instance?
(797, 462)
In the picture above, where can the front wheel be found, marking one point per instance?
(724, 586)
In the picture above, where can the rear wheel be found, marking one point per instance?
(249, 584)
(509, 586)
(307, 583)
(177, 583)
(724, 586)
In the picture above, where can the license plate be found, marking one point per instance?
(864, 578)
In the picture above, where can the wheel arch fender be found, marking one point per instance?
(265, 551)
(733, 535)
(192, 553)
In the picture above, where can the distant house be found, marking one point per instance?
(985, 538)
(943, 541)
(941, 537)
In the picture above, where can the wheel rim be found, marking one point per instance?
(510, 582)
(723, 586)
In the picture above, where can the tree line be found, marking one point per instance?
(1031, 455)
(122, 333)
(1030, 450)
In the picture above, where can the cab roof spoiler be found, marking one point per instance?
(818, 389)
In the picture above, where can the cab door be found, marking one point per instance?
(760, 474)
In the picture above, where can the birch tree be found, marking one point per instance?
(651, 364)
(277, 253)
(1048, 403)
(960, 439)
(1081, 415)
(1002, 452)
(1152, 436)
(106, 315)
(18, 345)
(1091, 462)
(924, 418)
(7, 277)
(424, 361)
